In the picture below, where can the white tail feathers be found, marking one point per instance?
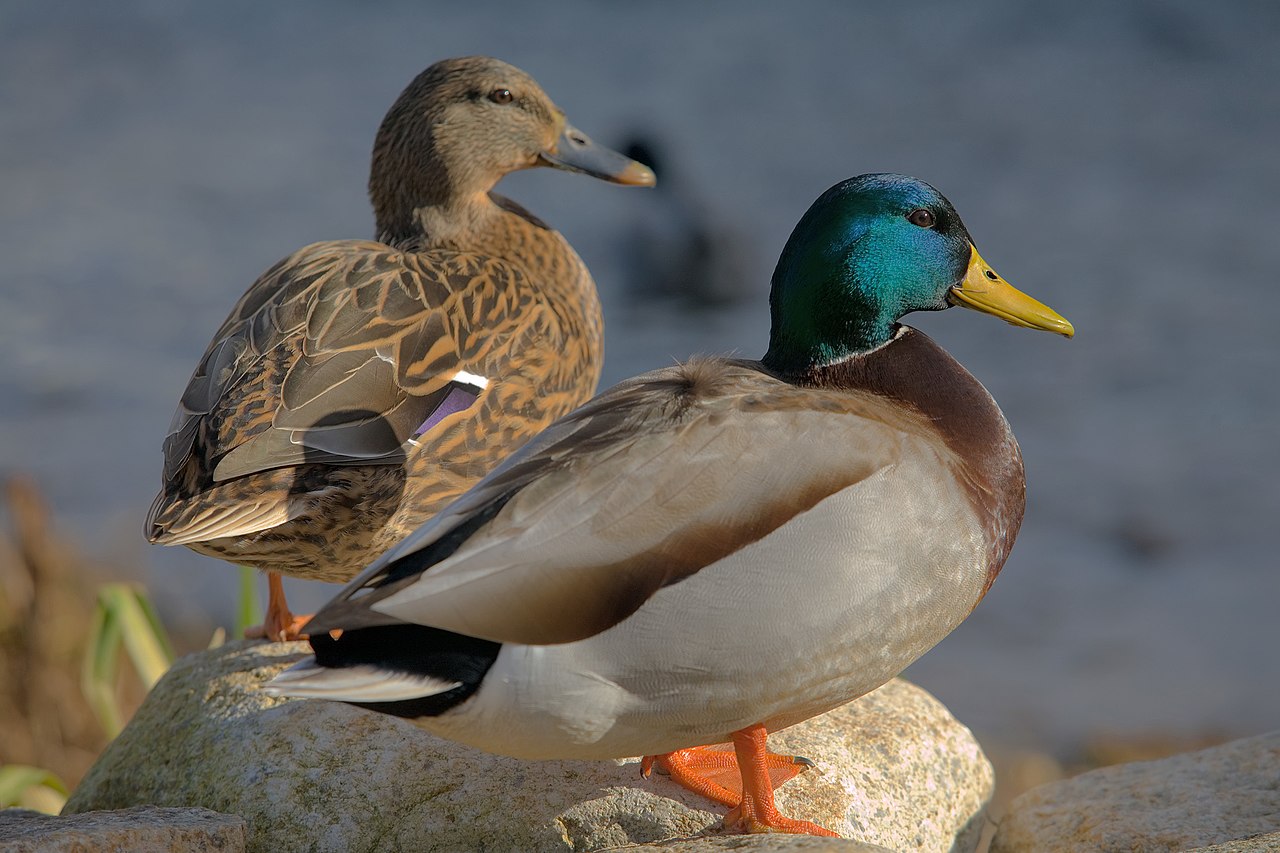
(360, 683)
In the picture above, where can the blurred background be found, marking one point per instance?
(1118, 161)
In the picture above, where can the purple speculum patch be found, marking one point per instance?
(460, 396)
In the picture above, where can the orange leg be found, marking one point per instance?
(280, 625)
(744, 778)
(757, 812)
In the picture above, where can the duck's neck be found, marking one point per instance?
(824, 322)
(424, 191)
(823, 308)
(458, 223)
(399, 187)
(430, 215)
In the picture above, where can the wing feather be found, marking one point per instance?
(334, 355)
(649, 483)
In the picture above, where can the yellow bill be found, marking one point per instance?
(984, 290)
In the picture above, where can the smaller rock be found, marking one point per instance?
(1226, 798)
(143, 829)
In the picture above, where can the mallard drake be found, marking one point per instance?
(359, 386)
(720, 549)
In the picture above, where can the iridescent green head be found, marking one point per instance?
(870, 250)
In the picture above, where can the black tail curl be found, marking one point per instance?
(414, 649)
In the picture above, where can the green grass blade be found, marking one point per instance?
(248, 610)
(143, 637)
(100, 668)
(155, 629)
(31, 787)
(122, 618)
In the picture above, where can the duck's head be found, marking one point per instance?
(464, 123)
(870, 250)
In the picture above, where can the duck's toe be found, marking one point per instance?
(752, 815)
(713, 771)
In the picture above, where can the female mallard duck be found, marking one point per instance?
(720, 549)
(359, 386)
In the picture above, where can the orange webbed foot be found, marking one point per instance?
(712, 771)
(743, 775)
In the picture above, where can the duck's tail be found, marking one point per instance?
(403, 669)
(361, 683)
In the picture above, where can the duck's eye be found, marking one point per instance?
(923, 218)
(501, 96)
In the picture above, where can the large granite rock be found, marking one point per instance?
(894, 769)
(1226, 798)
(145, 829)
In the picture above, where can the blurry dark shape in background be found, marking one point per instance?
(679, 245)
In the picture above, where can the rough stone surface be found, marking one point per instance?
(1212, 799)
(1266, 843)
(144, 829)
(894, 769)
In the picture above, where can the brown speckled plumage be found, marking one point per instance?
(293, 448)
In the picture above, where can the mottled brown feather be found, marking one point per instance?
(306, 400)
